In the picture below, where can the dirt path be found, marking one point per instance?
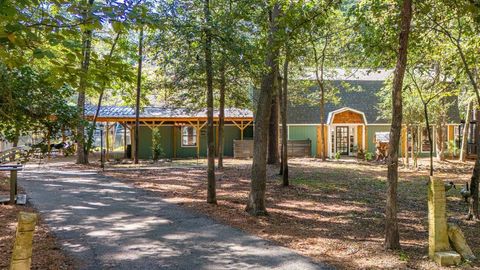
(106, 223)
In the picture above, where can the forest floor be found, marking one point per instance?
(46, 251)
(333, 211)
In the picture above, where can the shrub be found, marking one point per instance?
(157, 149)
(368, 156)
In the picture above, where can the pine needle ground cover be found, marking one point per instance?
(46, 251)
(333, 211)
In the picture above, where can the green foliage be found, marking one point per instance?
(369, 156)
(337, 155)
(403, 256)
(157, 149)
(452, 148)
(29, 103)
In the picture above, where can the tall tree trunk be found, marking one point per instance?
(319, 66)
(429, 133)
(221, 116)
(476, 170)
(464, 142)
(139, 92)
(82, 157)
(473, 209)
(392, 237)
(256, 198)
(273, 156)
(280, 109)
(412, 153)
(100, 98)
(211, 192)
(407, 157)
(283, 108)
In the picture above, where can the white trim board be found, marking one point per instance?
(332, 114)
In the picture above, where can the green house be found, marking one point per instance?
(181, 133)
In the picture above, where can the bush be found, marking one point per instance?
(337, 155)
(157, 149)
(368, 156)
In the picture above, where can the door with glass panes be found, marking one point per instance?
(342, 139)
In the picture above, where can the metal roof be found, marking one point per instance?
(162, 112)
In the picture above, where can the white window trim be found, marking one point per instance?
(332, 127)
(181, 137)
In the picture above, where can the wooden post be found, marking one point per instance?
(132, 142)
(198, 138)
(124, 140)
(174, 140)
(439, 249)
(241, 130)
(22, 249)
(13, 186)
(107, 141)
(114, 133)
(216, 140)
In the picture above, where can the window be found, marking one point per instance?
(189, 136)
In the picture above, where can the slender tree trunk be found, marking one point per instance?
(256, 198)
(211, 192)
(473, 209)
(429, 133)
(392, 237)
(139, 92)
(319, 66)
(417, 149)
(221, 116)
(412, 153)
(284, 104)
(100, 99)
(464, 142)
(280, 107)
(476, 170)
(273, 156)
(82, 158)
(407, 158)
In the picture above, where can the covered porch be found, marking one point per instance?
(182, 133)
(346, 132)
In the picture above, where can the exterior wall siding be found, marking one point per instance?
(145, 149)
(304, 133)
(371, 130)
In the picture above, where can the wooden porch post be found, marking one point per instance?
(241, 130)
(198, 138)
(124, 140)
(132, 143)
(216, 140)
(114, 139)
(107, 141)
(174, 131)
